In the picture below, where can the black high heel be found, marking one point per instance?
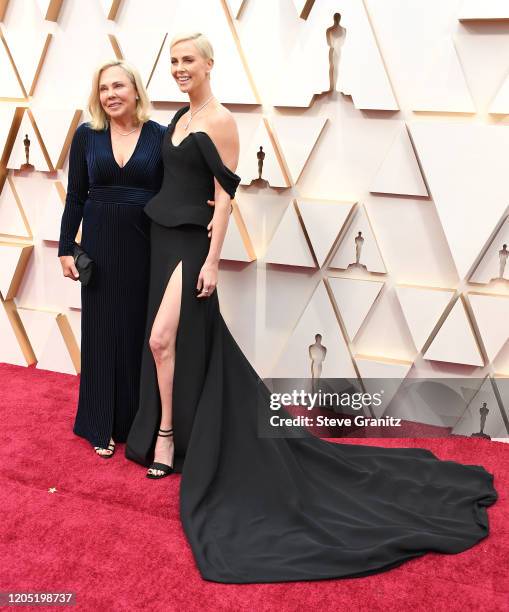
(166, 469)
(110, 448)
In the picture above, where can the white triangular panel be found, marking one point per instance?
(484, 9)
(392, 372)
(422, 308)
(9, 84)
(360, 71)
(11, 219)
(494, 265)
(49, 8)
(235, 7)
(455, 342)
(38, 325)
(309, 54)
(7, 112)
(44, 285)
(190, 16)
(143, 51)
(440, 84)
(10, 350)
(36, 155)
(10, 255)
(252, 138)
(317, 318)
(470, 190)
(502, 385)
(56, 127)
(234, 248)
(399, 172)
(74, 318)
(55, 354)
(500, 104)
(73, 294)
(288, 245)
(370, 257)
(354, 299)
(323, 221)
(110, 8)
(49, 228)
(32, 191)
(501, 367)
(470, 421)
(297, 136)
(300, 5)
(27, 57)
(492, 315)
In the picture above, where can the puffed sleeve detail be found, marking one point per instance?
(228, 180)
(77, 191)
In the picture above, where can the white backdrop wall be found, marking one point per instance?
(405, 140)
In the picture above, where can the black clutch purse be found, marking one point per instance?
(84, 264)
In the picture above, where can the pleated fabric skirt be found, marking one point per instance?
(114, 304)
(259, 509)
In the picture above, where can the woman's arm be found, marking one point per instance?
(226, 138)
(77, 191)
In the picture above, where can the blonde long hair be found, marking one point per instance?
(99, 119)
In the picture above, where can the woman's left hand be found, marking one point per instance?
(207, 279)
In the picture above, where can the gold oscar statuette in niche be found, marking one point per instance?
(27, 165)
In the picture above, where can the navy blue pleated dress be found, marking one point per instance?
(115, 233)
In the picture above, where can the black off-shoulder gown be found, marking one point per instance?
(115, 233)
(258, 509)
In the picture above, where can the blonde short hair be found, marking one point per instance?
(202, 43)
(99, 119)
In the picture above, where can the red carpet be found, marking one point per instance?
(114, 537)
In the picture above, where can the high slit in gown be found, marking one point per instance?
(260, 509)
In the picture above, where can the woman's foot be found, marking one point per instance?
(163, 455)
(106, 453)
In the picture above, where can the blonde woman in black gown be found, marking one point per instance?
(260, 509)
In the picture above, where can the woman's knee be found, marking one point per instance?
(162, 344)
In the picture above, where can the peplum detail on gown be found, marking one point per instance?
(182, 200)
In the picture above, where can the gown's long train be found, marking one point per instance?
(258, 509)
(277, 509)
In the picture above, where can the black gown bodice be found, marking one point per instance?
(188, 182)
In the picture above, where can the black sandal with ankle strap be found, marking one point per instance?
(166, 469)
(110, 447)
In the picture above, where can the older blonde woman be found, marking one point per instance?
(114, 169)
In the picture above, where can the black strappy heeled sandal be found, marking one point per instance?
(166, 469)
(111, 448)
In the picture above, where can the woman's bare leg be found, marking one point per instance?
(162, 345)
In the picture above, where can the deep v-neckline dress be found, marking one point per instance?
(109, 199)
(260, 509)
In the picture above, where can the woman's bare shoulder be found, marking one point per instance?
(222, 124)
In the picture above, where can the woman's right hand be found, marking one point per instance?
(68, 267)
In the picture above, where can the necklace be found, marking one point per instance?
(196, 112)
(122, 133)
